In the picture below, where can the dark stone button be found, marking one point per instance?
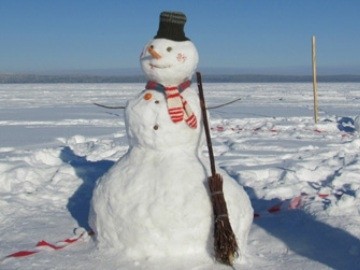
(156, 127)
(157, 102)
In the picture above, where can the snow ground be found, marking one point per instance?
(55, 144)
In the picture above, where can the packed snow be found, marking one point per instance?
(302, 178)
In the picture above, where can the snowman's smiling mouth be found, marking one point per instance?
(159, 66)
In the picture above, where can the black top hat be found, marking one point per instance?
(171, 26)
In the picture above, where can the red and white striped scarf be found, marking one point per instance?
(178, 107)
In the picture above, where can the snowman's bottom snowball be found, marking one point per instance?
(162, 211)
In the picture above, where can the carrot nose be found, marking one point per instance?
(153, 53)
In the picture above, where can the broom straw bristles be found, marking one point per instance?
(225, 246)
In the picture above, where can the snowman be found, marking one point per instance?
(154, 202)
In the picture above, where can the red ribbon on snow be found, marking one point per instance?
(294, 203)
(23, 253)
(44, 244)
(291, 204)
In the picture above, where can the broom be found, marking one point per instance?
(225, 245)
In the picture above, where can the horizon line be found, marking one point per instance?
(140, 78)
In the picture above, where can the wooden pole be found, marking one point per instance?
(314, 79)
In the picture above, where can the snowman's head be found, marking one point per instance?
(170, 58)
(169, 62)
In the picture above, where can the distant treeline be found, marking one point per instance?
(251, 78)
(33, 78)
(280, 78)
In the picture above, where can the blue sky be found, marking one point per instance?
(251, 36)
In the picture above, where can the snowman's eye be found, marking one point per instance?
(151, 46)
(169, 49)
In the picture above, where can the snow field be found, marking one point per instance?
(267, 142)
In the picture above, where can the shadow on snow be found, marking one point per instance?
(89, 172)
(309, 237)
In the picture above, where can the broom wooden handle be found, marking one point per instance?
(225, 245)
(206, 123)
